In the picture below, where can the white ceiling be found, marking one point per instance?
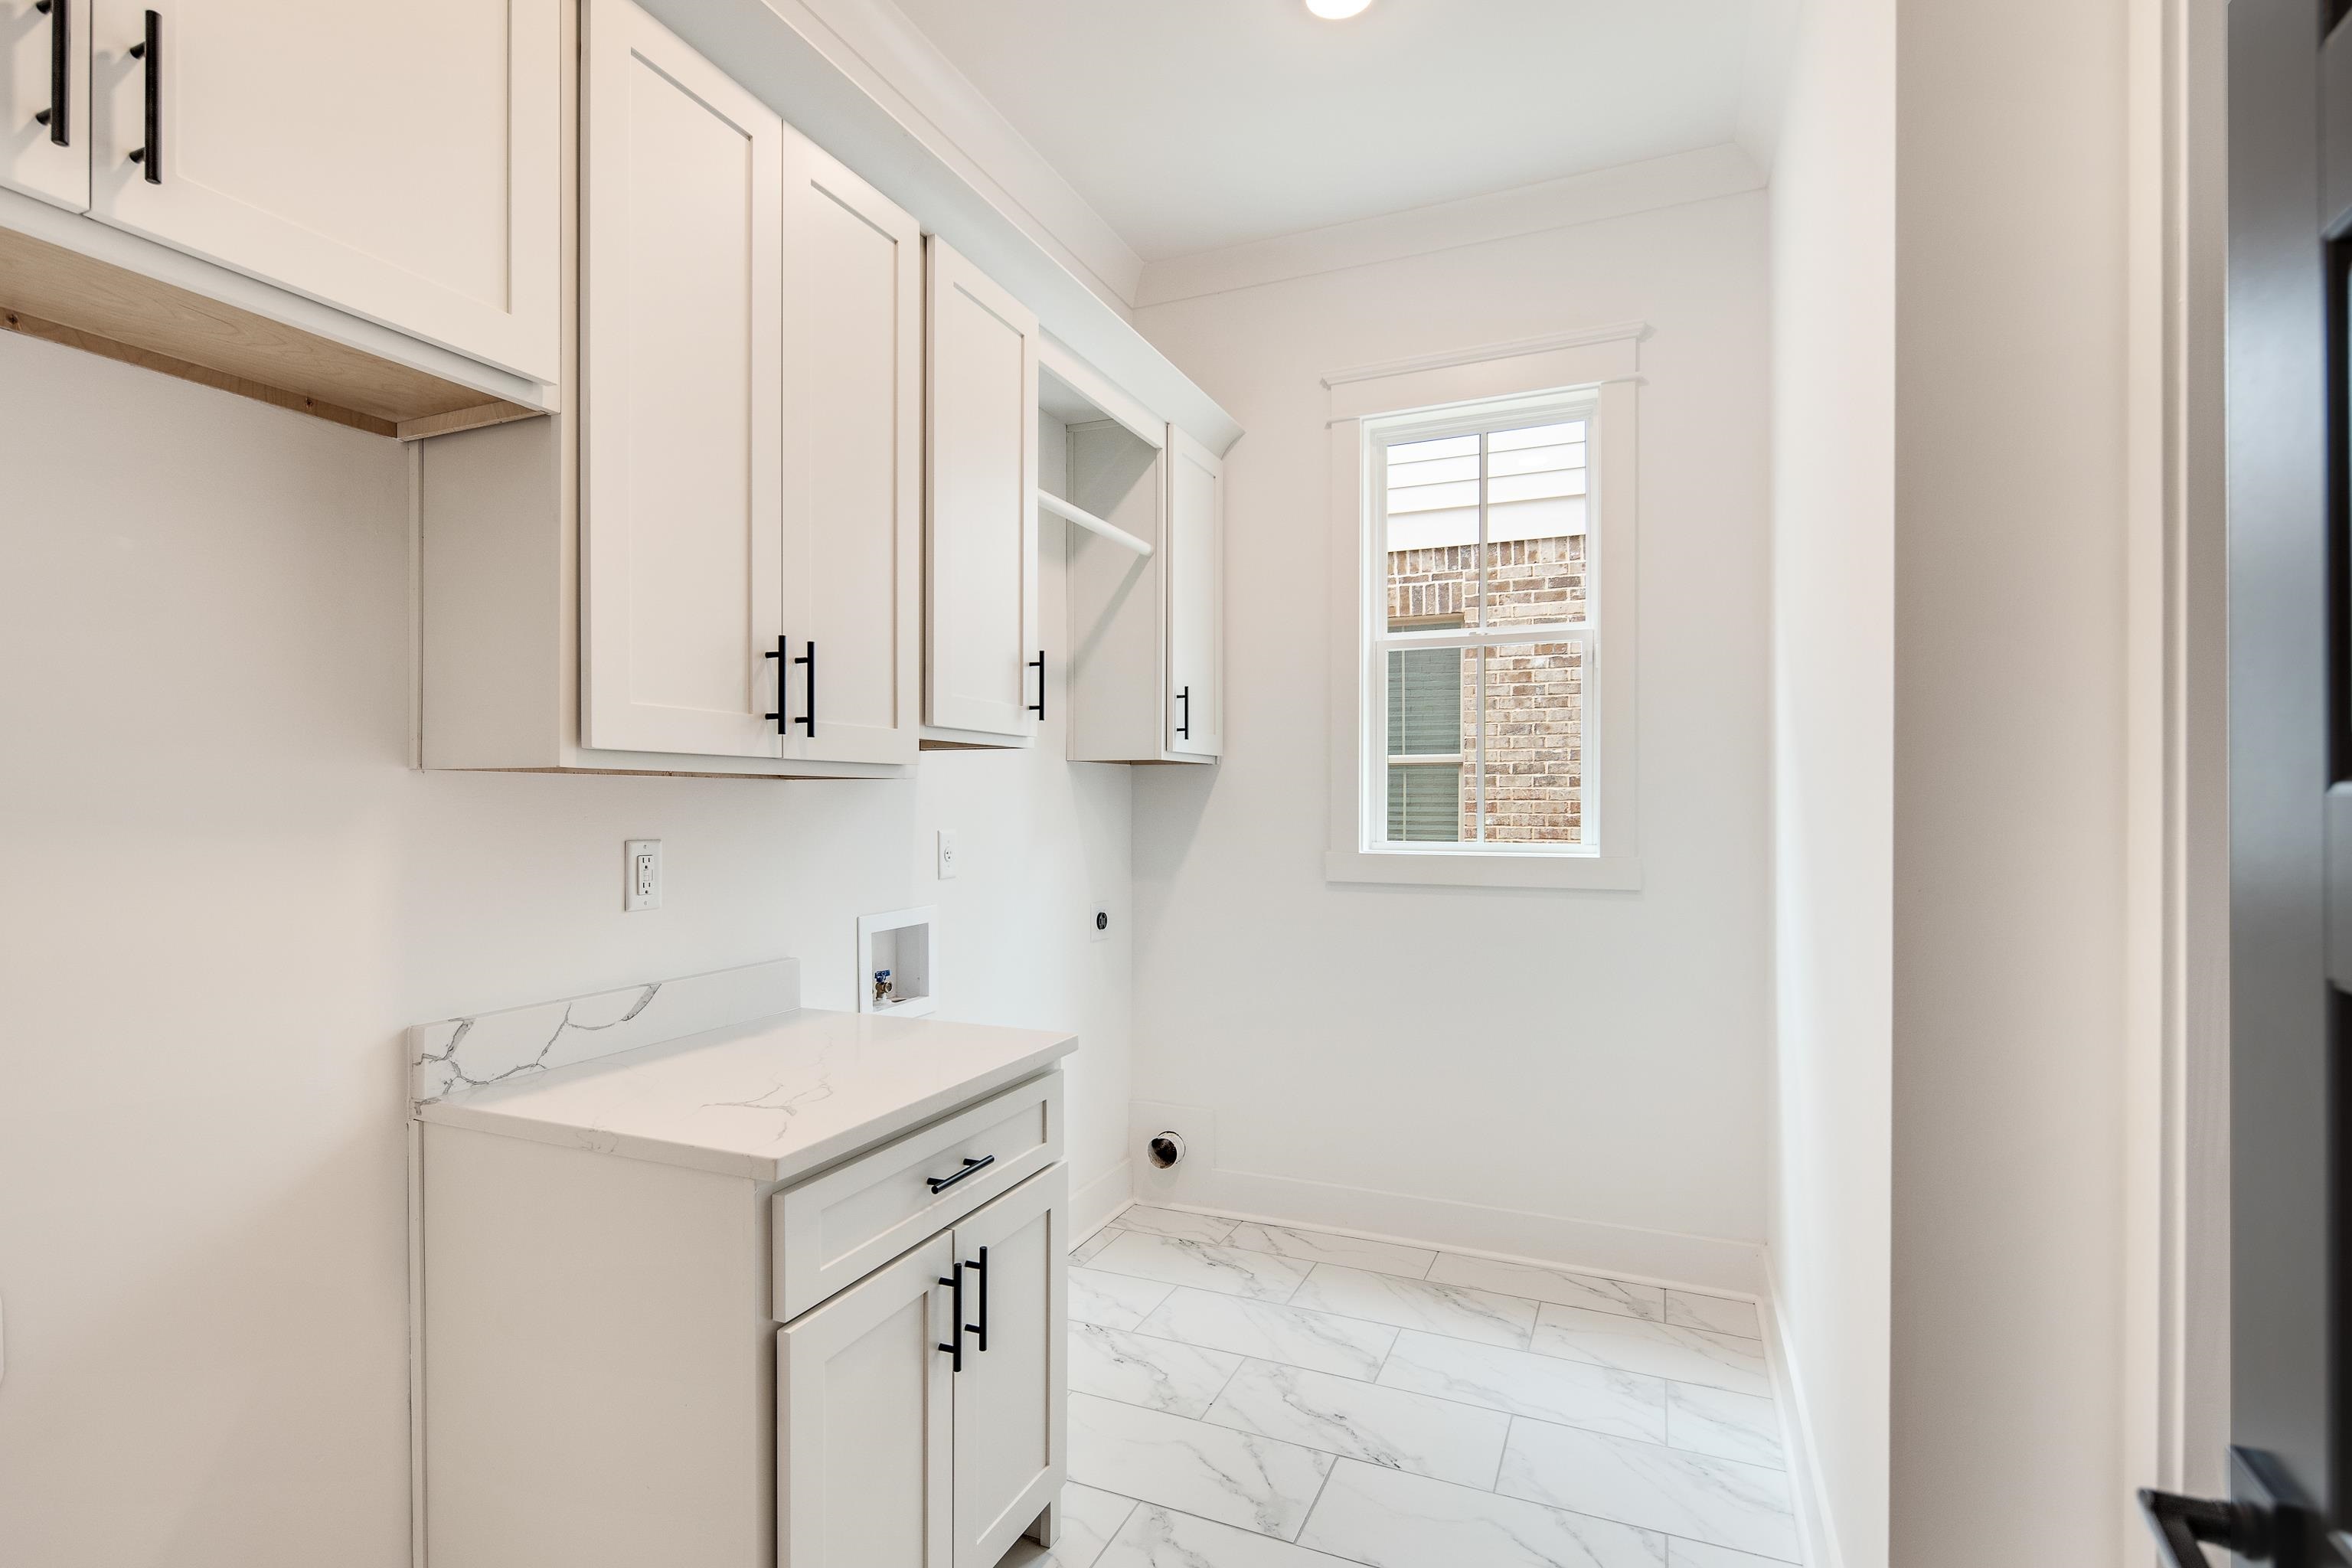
(1190, 124)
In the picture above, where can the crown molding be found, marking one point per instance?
(823, 82)
(1617, 192)
(913, 77)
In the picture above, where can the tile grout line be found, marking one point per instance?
(1308, 1517)
(1711, 1293)
(1118, 1529)
(1536, 1301)
(1527, 1348)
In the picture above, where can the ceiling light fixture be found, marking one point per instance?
(1337, 10)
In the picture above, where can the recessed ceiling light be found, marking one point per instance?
(1337, 10)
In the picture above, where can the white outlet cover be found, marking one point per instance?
(947, 855)
(641, 875)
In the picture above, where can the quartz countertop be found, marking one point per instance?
(773, 1099)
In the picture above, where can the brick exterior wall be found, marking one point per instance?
(1535, 691)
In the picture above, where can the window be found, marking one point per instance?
(1483, 539)
(1479, 534)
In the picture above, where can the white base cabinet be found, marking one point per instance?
(608, 1379)
(899, 1447)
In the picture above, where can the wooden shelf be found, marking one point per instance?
(55, 294)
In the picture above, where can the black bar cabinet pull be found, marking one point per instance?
(970, 1167)
(1185, 727)
(149, 53)
(1038, 664)
(55, 116)
(783, 702)
(808, 700)
(981, 1328)
(954, 1346)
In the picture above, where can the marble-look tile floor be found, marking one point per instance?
(1247, 1395)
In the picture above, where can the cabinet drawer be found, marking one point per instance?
(833, 1230)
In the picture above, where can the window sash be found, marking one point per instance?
(1474, 756)
(1379, 811)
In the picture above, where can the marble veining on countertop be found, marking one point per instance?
(771, 1097)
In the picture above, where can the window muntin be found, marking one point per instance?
(1478, 737)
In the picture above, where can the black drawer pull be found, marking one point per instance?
(149, 52)
(981, 1328)
(1038, 664)
(60, 79)
(954, 1347)
(941, 1184)
(783, 701)
(808, 704)
(1185, 728)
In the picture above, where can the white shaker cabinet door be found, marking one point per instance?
(865, 1422)
(853, 463)
(981, 536)
(1011, 1396)
(680, 509)
(45, 99)
(1196, 549)
(399, 161)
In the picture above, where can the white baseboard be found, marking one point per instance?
(1619, 1251)
(1816, 1532)
(1092, 1206)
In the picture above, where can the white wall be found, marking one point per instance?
(1833, 754)
(1950, 521)
(232, 893)
(2009, 1212)
(1520, 1070)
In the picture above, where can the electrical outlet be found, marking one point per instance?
(1098, 923)
(643, 888)
(947, 855)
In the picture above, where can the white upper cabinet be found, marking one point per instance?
(1145, 508)
(681, 511)
(852, 476)
(983, 667)
(400, 161)
(1195, 578)
(45, 99)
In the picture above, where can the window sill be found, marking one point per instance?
(1617, 873)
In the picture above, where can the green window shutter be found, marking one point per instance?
(1425, 804)
(1424, 702)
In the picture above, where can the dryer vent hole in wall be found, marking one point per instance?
(1164, 1149)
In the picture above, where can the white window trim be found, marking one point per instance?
(1605, 364)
